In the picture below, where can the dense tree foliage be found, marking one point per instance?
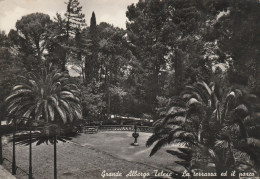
(169, 40)
(233, 32)
(57, 48)
(215, 123)
(92, 63)
(144, 29)
(10, 67)
(30, 39)
(167, 45)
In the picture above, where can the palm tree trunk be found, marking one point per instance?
(83, 73)
(30, 155)
(178, 71)
(1, 153)
(63, 68)
(55, 156)
(14, 162)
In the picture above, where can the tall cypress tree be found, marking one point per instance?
(93, 23)
(91, 63)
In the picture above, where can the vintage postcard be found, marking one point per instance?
(118, 89)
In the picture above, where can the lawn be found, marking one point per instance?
(88, 155)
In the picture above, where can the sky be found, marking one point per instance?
(111, 11)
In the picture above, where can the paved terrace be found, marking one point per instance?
(4, 174)
(89, 155)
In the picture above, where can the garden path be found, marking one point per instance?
(88, 155)
(4, 174)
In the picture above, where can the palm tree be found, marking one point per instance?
(216, 124)
(1, 154)
(49, 98)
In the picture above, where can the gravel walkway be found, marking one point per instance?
(77, 160)
(4, 174)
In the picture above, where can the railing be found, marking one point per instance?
(116, 128)
(85, 129)
(145, 129)
(90, 129)
(119, 128)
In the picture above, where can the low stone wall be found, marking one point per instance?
(120, 128)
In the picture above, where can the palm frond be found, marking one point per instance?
(21, 86)
(186, 150)
(17, 93)
(54, 99)
(203, 84)
(29, 112)
(62, 113)
(51, 112)
(162, 142)
(192, 102)
(185, 164)
(180, 155)
(68, 108)
(222, 144)
(152, 139)
(38, 111)
(173, 133)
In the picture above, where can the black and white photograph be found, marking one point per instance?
(129, 89)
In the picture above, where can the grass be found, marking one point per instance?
(87, 155)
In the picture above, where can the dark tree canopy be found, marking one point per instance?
(93, 22)
(31, 38)
(239, 39)
(33, 29)
(92, 63)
